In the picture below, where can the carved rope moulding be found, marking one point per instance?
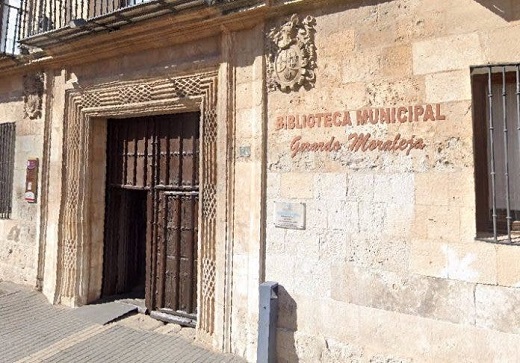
(104, 100)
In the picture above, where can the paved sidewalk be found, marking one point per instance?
(32, 330)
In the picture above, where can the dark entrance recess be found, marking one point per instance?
(125, 242)
(151, 225)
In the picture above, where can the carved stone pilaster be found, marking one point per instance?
(32, 95)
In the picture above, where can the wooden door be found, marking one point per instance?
(158, 156)
(174, 211)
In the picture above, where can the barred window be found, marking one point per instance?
(10, 20)
(7, 137)
(496, 125)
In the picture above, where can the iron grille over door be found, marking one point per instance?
(7, 139)
(152, 164)
(496, 118)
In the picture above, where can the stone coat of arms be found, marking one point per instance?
(292, 55)
(33, 93)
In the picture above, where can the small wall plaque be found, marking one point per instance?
(31, 181)
(289, 215)
(244, 151)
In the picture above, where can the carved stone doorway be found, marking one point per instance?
(79, 278)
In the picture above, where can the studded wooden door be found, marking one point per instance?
(159, 156)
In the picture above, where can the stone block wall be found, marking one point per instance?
(19, 234)
(388, 268)
(249, 101)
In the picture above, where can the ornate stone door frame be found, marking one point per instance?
(127, 99)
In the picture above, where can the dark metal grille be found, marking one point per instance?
(11, 16)
(496, 101)
(46, 15)
(45, 23)
(7, 137)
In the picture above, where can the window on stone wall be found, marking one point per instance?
(10, 18)
(496, 125)
(7, 138)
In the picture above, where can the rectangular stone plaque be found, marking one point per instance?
(289, 215)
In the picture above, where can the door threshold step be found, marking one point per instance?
(180, 313)
(138, 303)
(104, 313)
(170, 318)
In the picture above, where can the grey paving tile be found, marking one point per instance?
(103, 313)
(28, 325)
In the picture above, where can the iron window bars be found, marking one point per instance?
(10, 26)
(7, 139)
(496, 119)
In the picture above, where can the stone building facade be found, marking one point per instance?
(342, 153)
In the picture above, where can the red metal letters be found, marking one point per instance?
(359, 142)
